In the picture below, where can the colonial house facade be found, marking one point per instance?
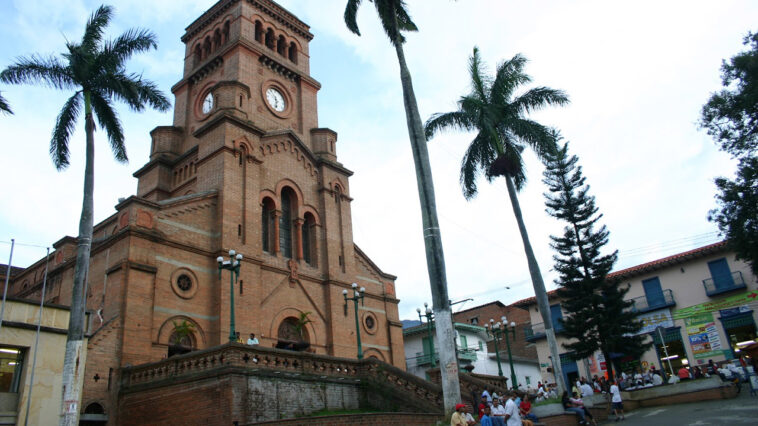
(245, 165)
(694, 306)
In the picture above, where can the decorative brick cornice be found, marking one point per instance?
(268, 7)
(279, 67)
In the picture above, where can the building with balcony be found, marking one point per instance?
(422, 352)
(475, 347)
(703, 300)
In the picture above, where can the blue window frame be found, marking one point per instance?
(653, 292)
(722, 276)
(556, 315)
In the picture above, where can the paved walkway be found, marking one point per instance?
(740, 410)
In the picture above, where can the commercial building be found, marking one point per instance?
(24, 380)
(695, 306)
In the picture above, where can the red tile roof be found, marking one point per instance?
(643, 268)
(667, 261)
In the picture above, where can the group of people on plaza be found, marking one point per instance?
(511, 409)
(515, 407)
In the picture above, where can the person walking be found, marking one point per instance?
(616, 404)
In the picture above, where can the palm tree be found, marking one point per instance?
(503, 132)
(94, 70)
(4, 107)
(395, 19)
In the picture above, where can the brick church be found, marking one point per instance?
(245, 166)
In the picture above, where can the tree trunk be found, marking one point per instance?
(73, 366)
(608, 364)
(435, 260)
(539, 287)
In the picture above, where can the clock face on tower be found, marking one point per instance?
(207, 103)
(275, 99)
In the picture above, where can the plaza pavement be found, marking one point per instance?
(736, 411)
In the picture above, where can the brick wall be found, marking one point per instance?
(368, 419)
(495, 310)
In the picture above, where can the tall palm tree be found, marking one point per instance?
(94, 70)
(395, 19)
(4, 107)
(503, 132)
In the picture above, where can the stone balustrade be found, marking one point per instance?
(251, 359)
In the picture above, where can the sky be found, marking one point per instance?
(637, 74)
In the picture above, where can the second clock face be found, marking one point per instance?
(276, 99)
(208, 103)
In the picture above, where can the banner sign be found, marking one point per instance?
(652, 320)
(729, 302)
(703, 335)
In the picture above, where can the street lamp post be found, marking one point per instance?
(429, 318)
(497, 330)
(233, 266)
(357, 295)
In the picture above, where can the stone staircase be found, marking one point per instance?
(255, 375)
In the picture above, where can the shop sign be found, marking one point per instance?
(729, 302)
(703, 336)
(652, 320)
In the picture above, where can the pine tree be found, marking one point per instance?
(598, 317)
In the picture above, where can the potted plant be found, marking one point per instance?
(302, 320)
(180, 341)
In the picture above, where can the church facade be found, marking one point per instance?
(245, 166)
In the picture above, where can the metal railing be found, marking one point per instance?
(724, 283)
(464, 354)
(537, 331)
(645, 304)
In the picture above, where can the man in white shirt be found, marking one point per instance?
(252, 340)
(657, 380)
(498, 413)
(512, 416)
(586, 390)
(616, 403)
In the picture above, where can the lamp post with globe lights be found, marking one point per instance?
(233, 266)
(429, 318)
(358, 294)
(497, 330)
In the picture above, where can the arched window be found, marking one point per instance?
(258, 32)
(267, 224)
(216, 39)
(198, 54)
(225, 32)
(293, 52)
(94, 408)
(285, 222)
(309, 239)
(207, 47)
(281, 46)
(270, 38)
